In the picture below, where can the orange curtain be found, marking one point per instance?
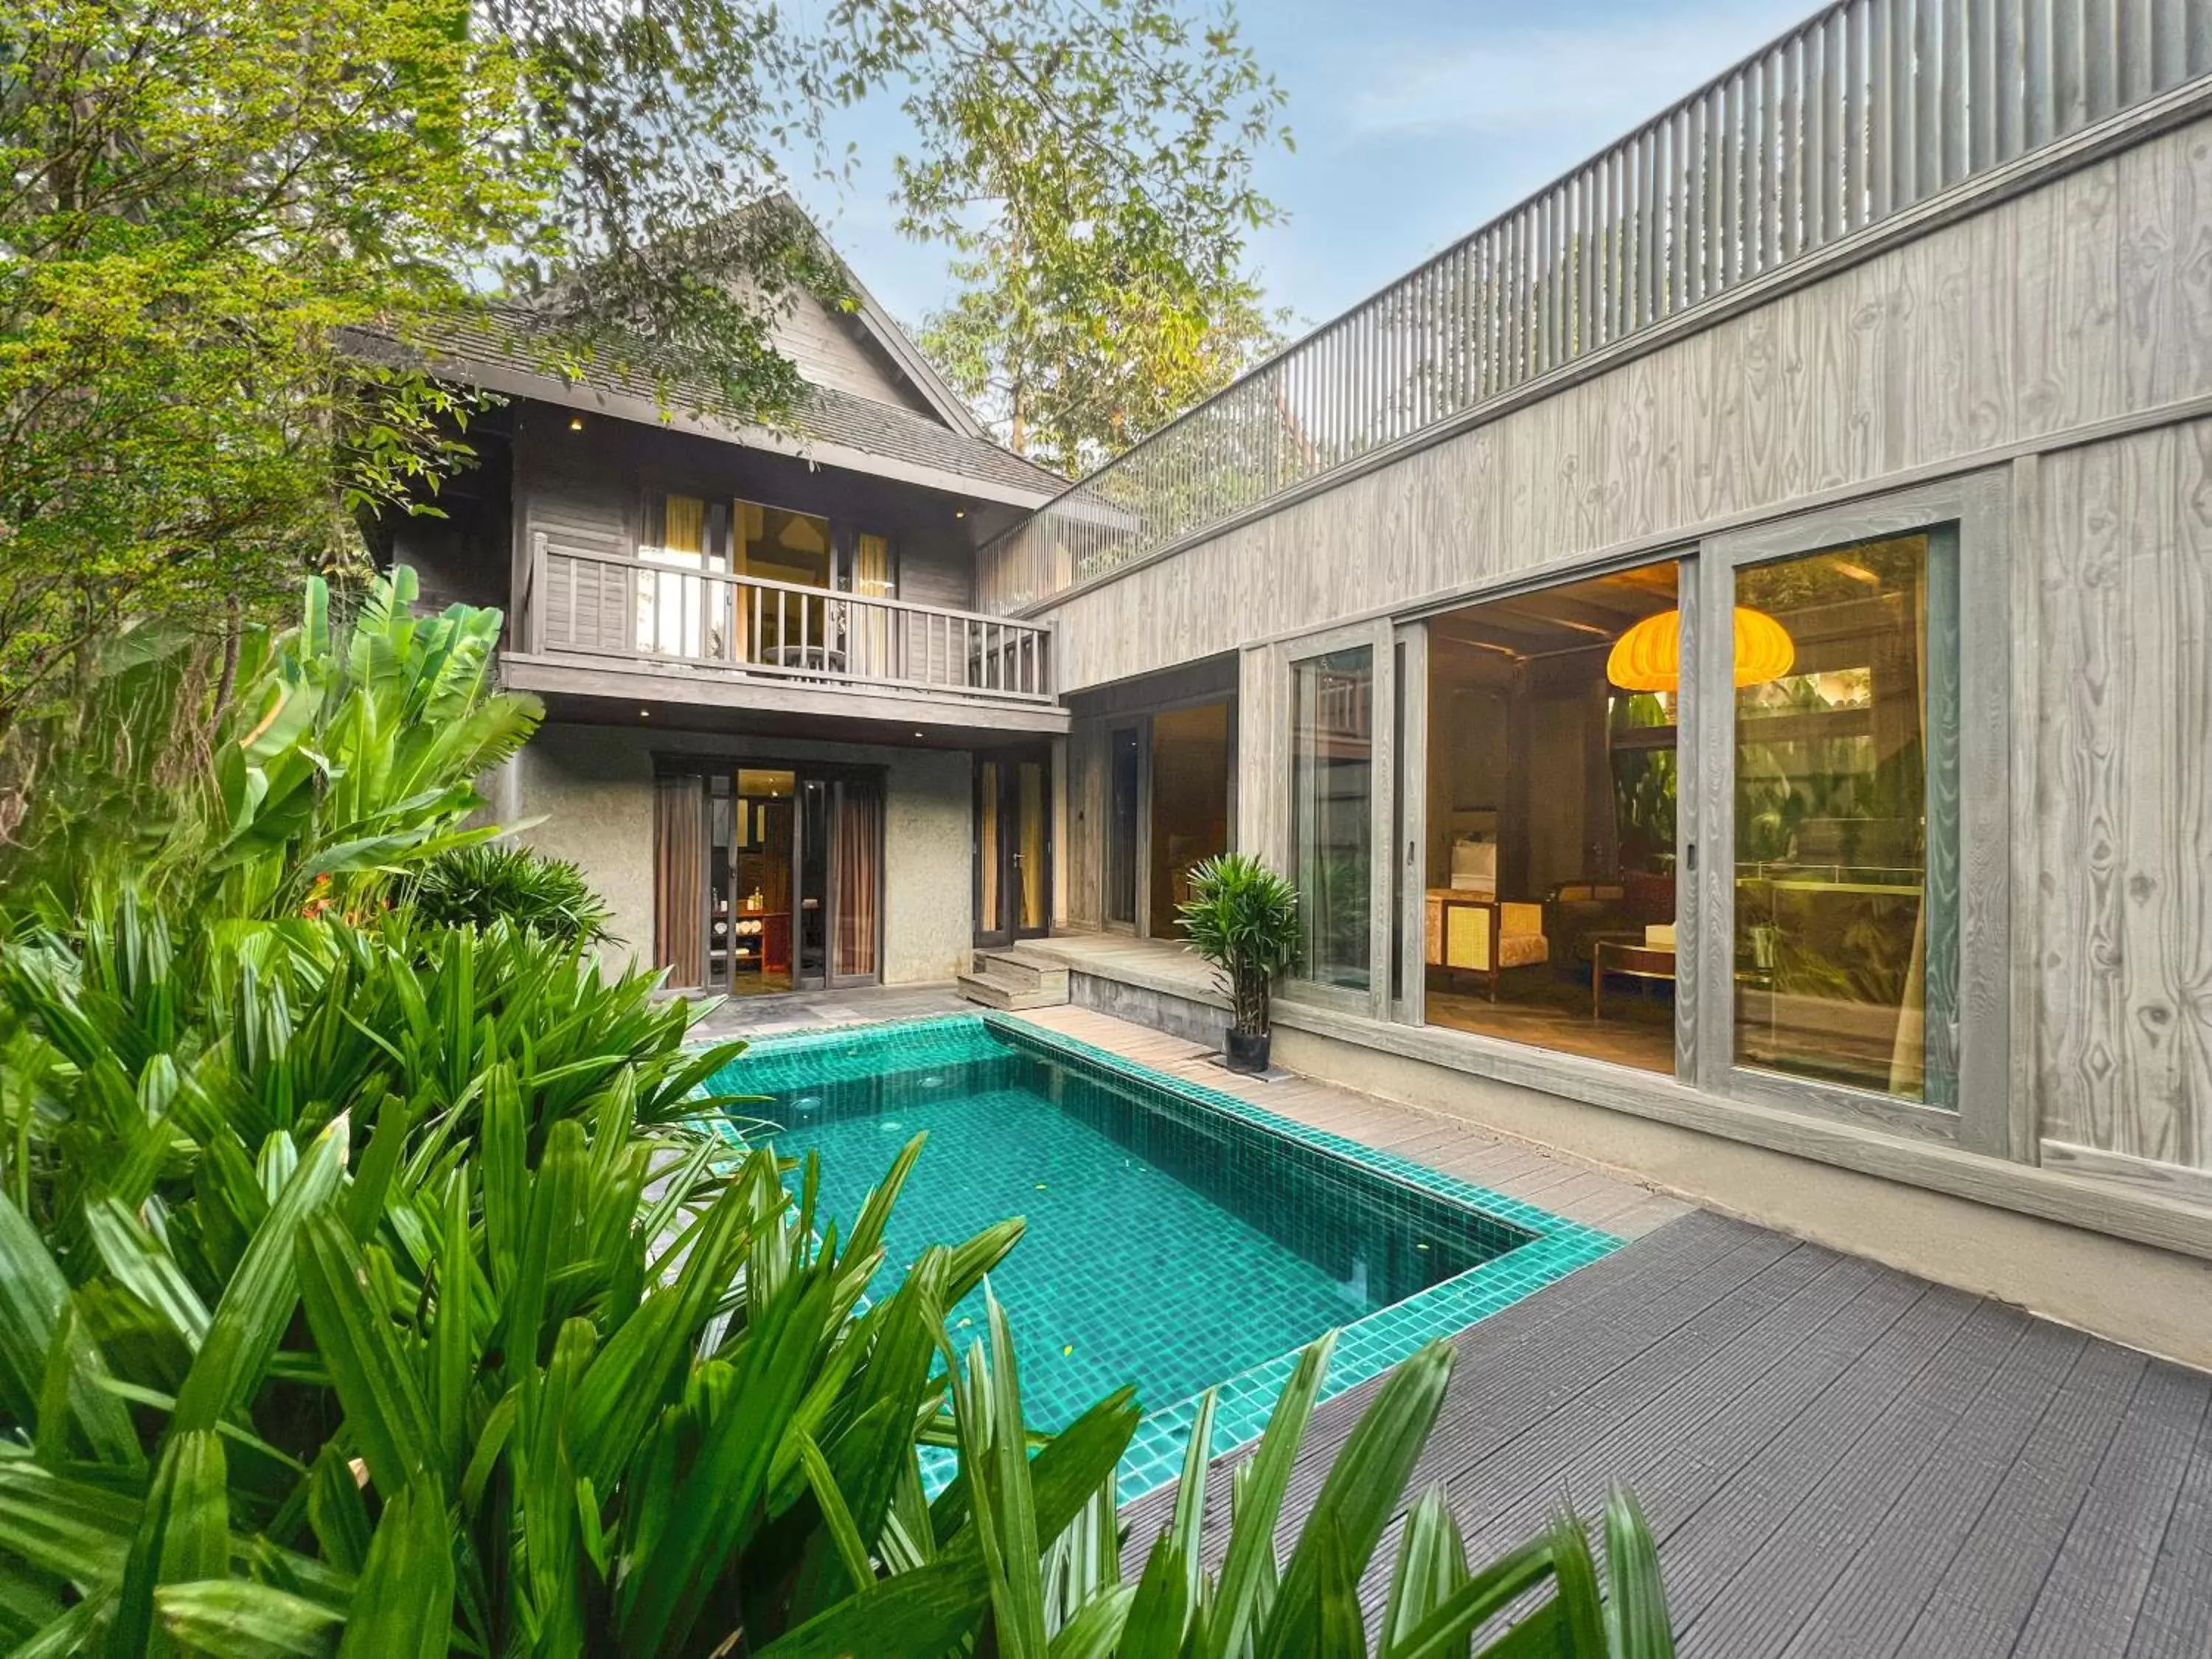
(856, 859)
(679, 879)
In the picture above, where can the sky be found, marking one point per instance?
(1416, 121)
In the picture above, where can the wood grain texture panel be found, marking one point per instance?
(2077, 303)
(2124, 809)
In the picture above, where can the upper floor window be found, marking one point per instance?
(770, 544)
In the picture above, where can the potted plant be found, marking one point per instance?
(1243, 919)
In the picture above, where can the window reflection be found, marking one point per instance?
(1332, 750)
(1846, 820)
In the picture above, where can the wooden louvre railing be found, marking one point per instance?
(1862, 111)
(644, 609)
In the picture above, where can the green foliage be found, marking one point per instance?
(368, 1289)
(1242, 918)
(476, 886)
(336, 760)
(1109, 148)
(202, 197)
(232, 233)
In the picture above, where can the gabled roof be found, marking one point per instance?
(488, 348)
(909, 358)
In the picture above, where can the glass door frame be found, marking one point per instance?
(1005, 856)
(1979, 507)
(1279, 848)
(1138, 850)
(835, 779)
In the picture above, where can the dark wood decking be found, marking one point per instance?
(1838, 1459)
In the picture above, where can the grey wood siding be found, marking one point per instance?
(825, 348)
(2066, 331)
(2123, 813)
(2081, 301)
(931, 571)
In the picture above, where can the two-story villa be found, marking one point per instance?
(775, 717)
(1725, 652)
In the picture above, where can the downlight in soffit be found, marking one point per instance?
(1649, 656)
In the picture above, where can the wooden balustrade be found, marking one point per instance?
(647, 609)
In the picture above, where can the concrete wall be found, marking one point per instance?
(593, 784)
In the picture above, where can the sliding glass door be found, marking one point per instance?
(1013, 848)
(767, 878)
(1853, 809)
(1332, 813)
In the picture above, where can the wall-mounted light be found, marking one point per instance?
(575, 424)
(645, 713)
(959, 511)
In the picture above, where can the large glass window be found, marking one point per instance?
(1332, 787)
(1846, 815)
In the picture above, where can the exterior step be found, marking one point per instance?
(1009, 996)
(1029, 969)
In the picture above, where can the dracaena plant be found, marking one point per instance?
(1242, 918)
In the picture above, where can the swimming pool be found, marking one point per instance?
(1177, 1238)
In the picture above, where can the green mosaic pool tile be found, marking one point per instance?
(773, 1064)
(855, 1075)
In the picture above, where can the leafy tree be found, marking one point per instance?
(1092, 171)
(210, 209)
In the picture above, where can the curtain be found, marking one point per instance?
(1029, 816)
(670, 608)
(868, 634)
(679, 879)
(855, 864)
(987, 843)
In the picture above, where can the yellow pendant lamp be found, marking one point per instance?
(1649, 656)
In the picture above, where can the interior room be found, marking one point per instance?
(1549, 917)
(750, 888)
(1189, 803)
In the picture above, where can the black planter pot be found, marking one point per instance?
(1246, 1052)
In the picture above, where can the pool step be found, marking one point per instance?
(1011, 978)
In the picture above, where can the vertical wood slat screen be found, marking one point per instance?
(1860, 112)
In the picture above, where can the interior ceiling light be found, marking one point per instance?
(1649, 656)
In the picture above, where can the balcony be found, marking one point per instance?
(655, 627)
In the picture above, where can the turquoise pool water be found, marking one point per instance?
(1176, 1239)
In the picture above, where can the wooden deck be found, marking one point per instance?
(1838, 1459)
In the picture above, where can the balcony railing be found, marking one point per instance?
(654, 609)
(1862, 111)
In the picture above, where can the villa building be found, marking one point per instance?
(1724, 651)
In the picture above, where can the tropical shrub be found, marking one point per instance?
(367, 1289)
(1242, 918)
(329, 761)
(476, 886)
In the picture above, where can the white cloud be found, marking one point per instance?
(1609, 75)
